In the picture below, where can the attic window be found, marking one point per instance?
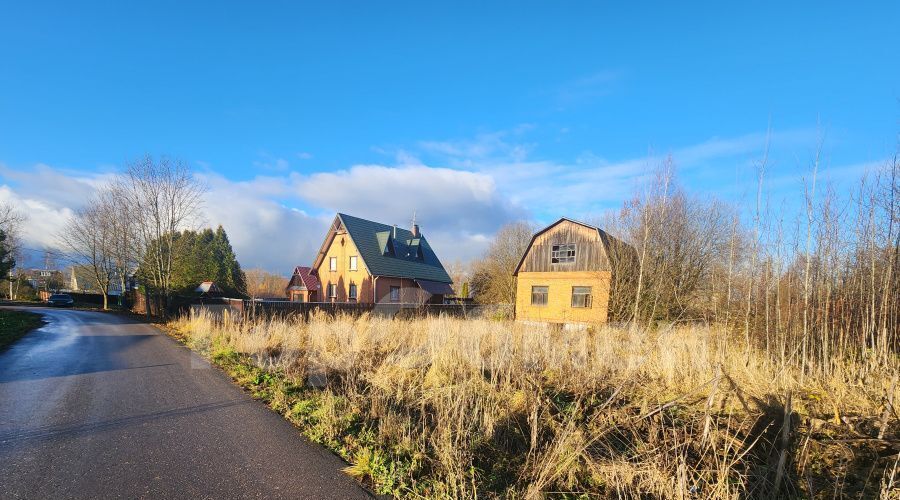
(563, 254)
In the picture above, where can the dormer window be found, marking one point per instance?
(563, 254)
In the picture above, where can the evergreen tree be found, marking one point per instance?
(205, 255)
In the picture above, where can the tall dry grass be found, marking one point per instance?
(458, 408)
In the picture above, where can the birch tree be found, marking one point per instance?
(163, 197)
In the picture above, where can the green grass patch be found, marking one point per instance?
(15, 324)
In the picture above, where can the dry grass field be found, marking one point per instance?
(456, 408)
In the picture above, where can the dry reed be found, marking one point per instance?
(444, 407)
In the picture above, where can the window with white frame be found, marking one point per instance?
(352, 292)
(332, 264)
(353, 263)
(395, 294)
(562, 254)
(332, 291)
(581, 297)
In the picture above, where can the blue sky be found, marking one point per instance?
(472, 114)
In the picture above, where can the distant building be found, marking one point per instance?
(565, 274)
(369, 262)
(44, 279)
(208, 288)
(303, 286)
(82, 280)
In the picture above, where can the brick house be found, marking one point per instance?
(565, 274)
(369, 262)
(303, 286)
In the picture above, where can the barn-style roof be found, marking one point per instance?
(389, 250)
(612, 246)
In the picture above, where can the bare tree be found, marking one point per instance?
(11, 221)
(163, 197)
(492, 275)
(114, 203)
(89, 239)
(461, 274)
(263, 284)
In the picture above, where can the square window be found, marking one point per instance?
(581, 297)
(353, 263)
(332, 264)
(539, 295)
(395, 294)
(563, 254)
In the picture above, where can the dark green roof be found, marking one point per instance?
(412, 257)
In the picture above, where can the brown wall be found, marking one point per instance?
(301, 296)
(410, 293)
(559, 301)
(590, 254)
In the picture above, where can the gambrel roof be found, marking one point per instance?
(613, 248)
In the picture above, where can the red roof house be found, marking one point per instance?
(304, 285)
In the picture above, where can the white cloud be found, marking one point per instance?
(45, 219)
(263, 232)
(444, 199)
(277, 220)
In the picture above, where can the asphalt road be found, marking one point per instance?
(94, 405)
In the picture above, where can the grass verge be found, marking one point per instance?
(446, 408)
(15, 324)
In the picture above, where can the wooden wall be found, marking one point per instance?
(589, 252)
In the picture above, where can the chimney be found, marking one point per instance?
(415, 230)
(394, 232)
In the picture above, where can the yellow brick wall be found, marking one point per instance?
(342, 248)
(559, 301)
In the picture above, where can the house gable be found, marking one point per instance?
(386, 250)
(590, 248)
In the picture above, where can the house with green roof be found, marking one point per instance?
(369, 262)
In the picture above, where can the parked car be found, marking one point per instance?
(61, 300)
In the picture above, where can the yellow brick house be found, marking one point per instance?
(367, 262)
(565, 274)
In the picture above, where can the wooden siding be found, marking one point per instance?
(559, 298)
(590, 254)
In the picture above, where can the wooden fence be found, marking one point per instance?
(277, 308)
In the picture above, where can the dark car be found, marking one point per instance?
(61, 300)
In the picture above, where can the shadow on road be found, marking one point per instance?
(53, 432)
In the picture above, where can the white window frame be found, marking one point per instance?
(563, 253)
(392, 290)
(354, 260)
(353, 292)
(332, 291)
(332, 264)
